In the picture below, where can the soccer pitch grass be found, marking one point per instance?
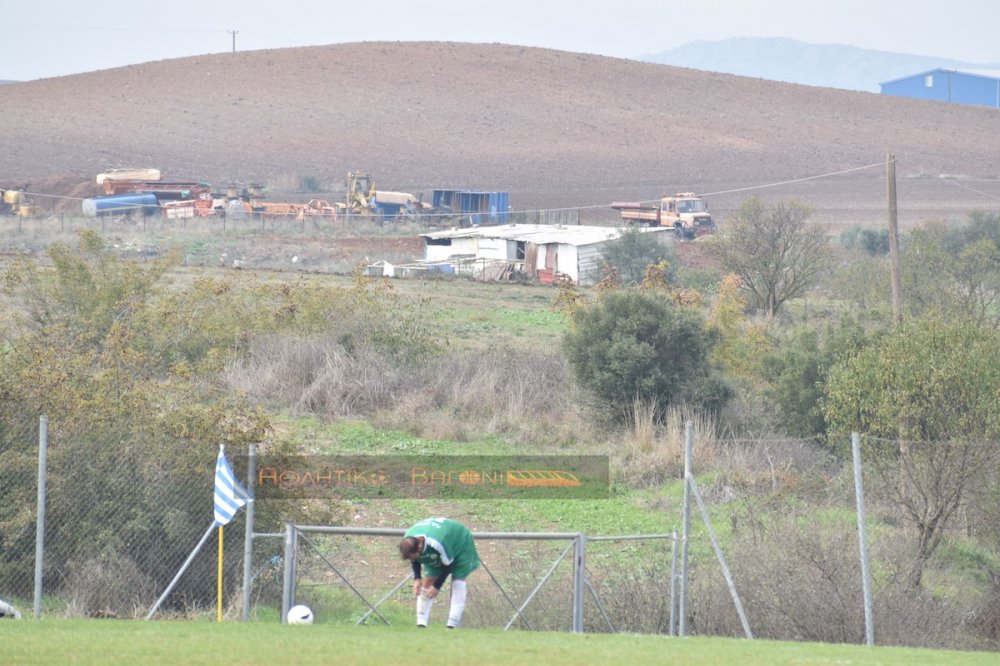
(102, 642)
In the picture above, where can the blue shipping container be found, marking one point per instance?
(492, 207)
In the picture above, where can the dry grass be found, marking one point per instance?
(653, 442)
(460, 396)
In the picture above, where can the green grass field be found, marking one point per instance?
(64, 642)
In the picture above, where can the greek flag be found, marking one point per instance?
(230, 495)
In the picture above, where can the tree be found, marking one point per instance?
(774, 252)
(132, 443)
(632, 252)
(795, 373)
(633, 344)
(740, 344)
(953, 270)
(928, 395)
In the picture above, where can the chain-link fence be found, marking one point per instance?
(120, 517)
(534, 581)
(123, 513)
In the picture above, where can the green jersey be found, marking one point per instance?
(448, 546)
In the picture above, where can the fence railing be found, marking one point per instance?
(320, 561)
(89, 529)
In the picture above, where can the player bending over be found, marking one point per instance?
(437, 548)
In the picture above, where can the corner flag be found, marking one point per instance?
(230, 495)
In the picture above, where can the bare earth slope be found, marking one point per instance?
(555, 129)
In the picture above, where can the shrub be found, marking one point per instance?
(874, 242)
(638, 344)
(631, 253)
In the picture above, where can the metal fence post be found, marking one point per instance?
(248, 533)
(685, 528)
(673, 583)
(866, 575)
(722, 560)
(43, 450)
(288, 581)
(578, 582)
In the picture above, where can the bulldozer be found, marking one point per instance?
(13, 202)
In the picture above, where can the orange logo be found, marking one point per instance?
(538, 478)
(470, 477)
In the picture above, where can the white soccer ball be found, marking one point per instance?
(300, 614)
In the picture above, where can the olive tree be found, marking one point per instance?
(777, 255)
(927, 397)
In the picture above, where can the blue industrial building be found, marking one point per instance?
(978, 87)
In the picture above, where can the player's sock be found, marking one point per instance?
(424, 604)
(459, 589)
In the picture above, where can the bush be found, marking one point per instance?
(631, 253)
(799, 579)
(635, 344)
(796, 371)
(108, 586)
(874, 242)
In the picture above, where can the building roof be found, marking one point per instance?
(987, 73)
(540, 233)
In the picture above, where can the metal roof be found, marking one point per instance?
(540, 233)
(987, 73)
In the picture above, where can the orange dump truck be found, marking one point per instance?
(685, 212)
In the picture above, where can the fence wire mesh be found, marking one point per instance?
(523, 583)
(124, 510)
(121, 516)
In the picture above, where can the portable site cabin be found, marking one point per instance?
(539, 250)
(977, 87)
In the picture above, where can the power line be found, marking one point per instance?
(970, 189)
(794, 180)
(957, 183)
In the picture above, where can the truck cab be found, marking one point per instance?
(687, 214)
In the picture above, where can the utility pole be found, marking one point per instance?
(233, 33)
(897, 300)
(897, 295)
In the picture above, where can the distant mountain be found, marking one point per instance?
(3, 81)
(791, 61)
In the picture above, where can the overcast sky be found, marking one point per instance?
(46, 38)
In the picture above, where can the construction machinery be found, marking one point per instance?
(298, 211)
(14, 202)
(363, 199)
(360, 198)
(684, 211)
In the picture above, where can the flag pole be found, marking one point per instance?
(230, 497)
(219, 611)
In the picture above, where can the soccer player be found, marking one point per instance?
(437, 548)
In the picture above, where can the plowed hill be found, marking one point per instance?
(555, 129)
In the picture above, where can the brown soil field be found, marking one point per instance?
(555, 129)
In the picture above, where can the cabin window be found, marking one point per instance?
(439, 241)
(929, 81)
